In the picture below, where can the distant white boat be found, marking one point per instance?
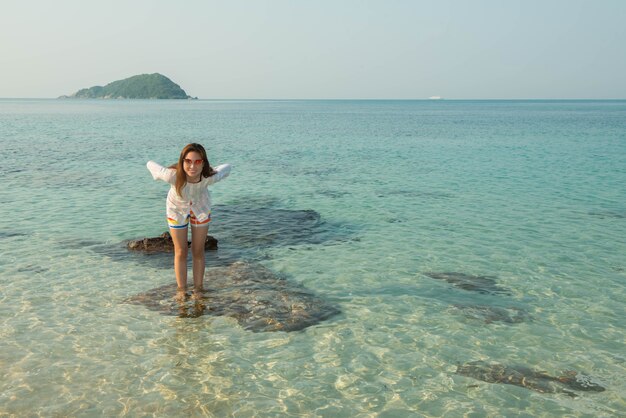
(435, 98)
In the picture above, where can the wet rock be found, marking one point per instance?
(32, 268)
(164, 243)
(246, 226)
(250, 293)
(489, 314)
(414, 193)
(480, 284)
(244, 230)
(608, 214)
(538, 381)
(11, 234)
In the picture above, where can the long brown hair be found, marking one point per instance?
(181, 176)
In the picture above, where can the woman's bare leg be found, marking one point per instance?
(198, 237)
(179, 236)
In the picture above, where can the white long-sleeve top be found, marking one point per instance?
(195, 196)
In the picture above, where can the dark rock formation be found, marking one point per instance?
(489, 314)
(608, 214)
(164, 243)
(248, 226)
(11, 234)
(480, 284)
(250, 293)
(528, 378)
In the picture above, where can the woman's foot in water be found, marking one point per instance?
(181, 295)
(198, 293)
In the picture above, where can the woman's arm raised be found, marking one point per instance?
(159, 172)
(222, 171)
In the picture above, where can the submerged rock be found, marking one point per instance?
(244, 228)
(250, 293)
(528, 378)
(11, 234)
(245, 231)
(480, 284)
(607, 214)
(164, 243)
(489, 314)
(248, 226)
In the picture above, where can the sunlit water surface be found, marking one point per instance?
(531, 194)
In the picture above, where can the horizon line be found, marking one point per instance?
(442, 99)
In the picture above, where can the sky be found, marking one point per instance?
(322, 49)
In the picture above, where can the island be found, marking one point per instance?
(143, 86)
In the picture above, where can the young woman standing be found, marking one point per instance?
(189, 202)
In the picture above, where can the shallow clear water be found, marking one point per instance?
(529, 193)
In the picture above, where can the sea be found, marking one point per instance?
(445, 233)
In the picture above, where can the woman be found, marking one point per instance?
(189, 202)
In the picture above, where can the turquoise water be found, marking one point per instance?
(530, 193)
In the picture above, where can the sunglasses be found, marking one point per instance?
(195, 162)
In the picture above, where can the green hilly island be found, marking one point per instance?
(143, 86)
